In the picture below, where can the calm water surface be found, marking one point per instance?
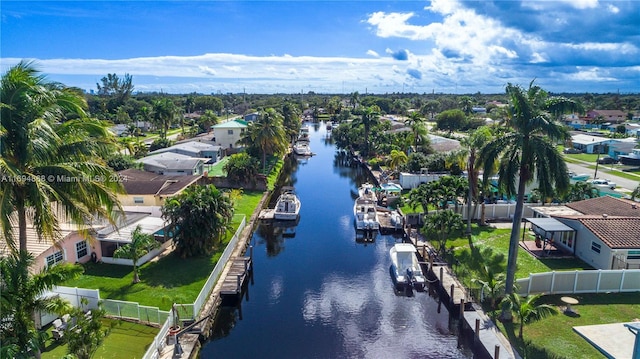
(320, 293)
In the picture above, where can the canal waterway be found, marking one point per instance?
(318, 292)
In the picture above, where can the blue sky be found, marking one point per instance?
(442, 46)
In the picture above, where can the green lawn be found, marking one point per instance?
(587, 157)
(552, 337)
(216, 169)
(119, 343)
(163, 282)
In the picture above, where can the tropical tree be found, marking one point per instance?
(370, 117)
(88, 333)
(492, 283)
(267, 134)
(580, 191)
(635, 193)
(354, 99)
(241, 168)
(198, 218)
(466, 104)
(398, 158)
(164, 114)
(526, 153)
(141, 244)
(441, 224)
(430, 108)
(526, 310)
(54, 166)
(21, 293)
(451, 120)
(417, 124)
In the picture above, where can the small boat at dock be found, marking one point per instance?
(366, 215)
(301, 148)
(405, 268)
(288, 205)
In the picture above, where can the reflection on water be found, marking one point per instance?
(324, 293)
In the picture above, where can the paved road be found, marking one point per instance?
(620, 181)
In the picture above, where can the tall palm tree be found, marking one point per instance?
(21, 296)
(526, 310)
(398, 158)
(267, 134)
(466, 104)
(141, 244)
(471, 147)
(53, 169)
(164, 113)
(417, 124)
(528, 151)
(370, 117)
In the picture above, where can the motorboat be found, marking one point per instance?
(302, 148)
(303, 136)
(632, 159)
(367, 191)
(366, 215)
(287, 205)
(405, 268)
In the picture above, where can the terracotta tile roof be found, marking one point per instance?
(611, 206)
(616, 232)
(143, 182)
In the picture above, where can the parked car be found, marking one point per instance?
(606, 160)
(572, 150)
(603, 182)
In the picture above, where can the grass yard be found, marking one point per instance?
(118, 344)
(216, 169)
(163, 282)
(553, 337)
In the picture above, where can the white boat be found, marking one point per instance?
(304, 134)
(365, 214)
(367, 191)
(302, 149)
(632, 159)
(288, 205)
(405, 269)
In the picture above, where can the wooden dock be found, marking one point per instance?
(239, 269)
(267, 213)
(488, 341)
(387, 225)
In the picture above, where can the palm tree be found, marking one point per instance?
(466, 104)
(526, 310)
(54, 169)
(21, 293)
(635, 193)
(354, 99)
(492, 283)
(267, 134)
(441, 224)
(164, 113)
(416, 122)
(398, 158)
(141, 244)
(527, 152)
(580, 191)
(370, 117)
(471, 147)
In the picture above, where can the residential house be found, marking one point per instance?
(145, 188)
(607, 116)
(630, 129)
(149, 219)
(170, 163)
(593, 144)
(252, 117)
(195, 148)
(604, 231)
(227, 134)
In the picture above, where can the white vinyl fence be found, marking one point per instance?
(586, 281)
(146, 314)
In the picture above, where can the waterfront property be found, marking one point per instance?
(174, 164)
(145, 188)
(227, 134)
(601, 231)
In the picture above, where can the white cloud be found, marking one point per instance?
(590, 75)
(372, 53)
(613, 9)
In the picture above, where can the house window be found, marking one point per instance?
(633, 255)
(54, 258)
(596, 247)
(81, 249)
(229, 132)
(138, 199)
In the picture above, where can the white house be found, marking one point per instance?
(227, 134)
(173, 164)
(604, 231)
(195, 149)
